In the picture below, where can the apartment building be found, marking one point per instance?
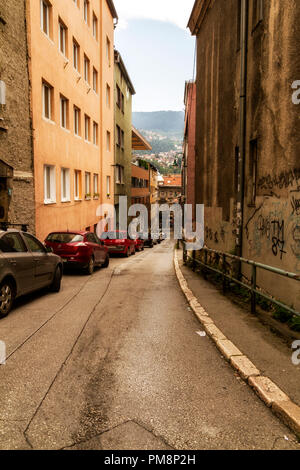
(188, 160)
(72, 79)
(16, 157)
(124, 91)
(170, 189)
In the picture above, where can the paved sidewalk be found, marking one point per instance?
(270, 354)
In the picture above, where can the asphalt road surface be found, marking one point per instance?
(116, 361)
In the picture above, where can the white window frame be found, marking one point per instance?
(108, 185)
(87, 184)
(77, 176)
(86, 11)
(64, 112)
(49, 88)
(95, 27)
(62, 37)
(86, 67)
(87, 125)
(43, 4)
(95, 80)
(76, 58)
(96, 184)
(65, 185)
(108, 141)
(95, 133)
(49, 191)
(77, 114)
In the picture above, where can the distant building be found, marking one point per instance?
(16, 155)
(188, 160)
(124, 91)
(169, 191)
(140, 185)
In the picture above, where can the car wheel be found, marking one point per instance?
(7, 297)
(106, 262)
(91, 266)
(56, 283)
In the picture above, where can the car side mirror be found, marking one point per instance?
(49, 249)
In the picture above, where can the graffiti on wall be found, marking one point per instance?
(273, 229)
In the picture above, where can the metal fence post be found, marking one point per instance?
(194, 261)
(253, 294)
(205, 262)
(224, 271)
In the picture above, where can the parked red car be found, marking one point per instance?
(79, 249)
(119, 242)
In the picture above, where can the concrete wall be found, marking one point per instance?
(16, 133)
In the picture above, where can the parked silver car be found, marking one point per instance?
(25, 266)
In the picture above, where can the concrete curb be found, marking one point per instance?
(280, 404)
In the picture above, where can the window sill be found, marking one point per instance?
(49, 203)
(48, 37)
(78, 200)
(49, 121)
(87, 198)
(66, 201)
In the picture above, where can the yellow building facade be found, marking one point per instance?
(71, 65)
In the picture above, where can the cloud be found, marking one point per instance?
(170, 11)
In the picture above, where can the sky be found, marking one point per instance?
(157, 49)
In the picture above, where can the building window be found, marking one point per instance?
(118, 97)
(108, 185)
(87, 123)
(95, 26)
(108, 141)
(49, 184)
(65, 185)
(96, 185)
(86, 11)
(253, 171)
(47, 100)
(76, 55)
(86, 69)
(63, 38)
(119, 174)
(46, 11)
(258, 12)
(77, 121)
(95, 80)
(108, 96)
(118, 136)
(77, 185)
(87, 185)
(95, 133)
(108, 51)
(64, 112)
(122, 139)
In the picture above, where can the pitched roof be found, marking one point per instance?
(172, 180)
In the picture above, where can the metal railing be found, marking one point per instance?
(253, 288)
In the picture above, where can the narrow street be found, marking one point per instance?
(115, 361)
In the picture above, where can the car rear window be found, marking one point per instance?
(64, 238)
(113, 235)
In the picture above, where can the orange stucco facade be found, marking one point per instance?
(72, 158)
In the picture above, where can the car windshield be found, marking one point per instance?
(113, 235)
(64, 238)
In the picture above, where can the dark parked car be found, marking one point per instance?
(79, 249)
(25, 266)
(119, 242)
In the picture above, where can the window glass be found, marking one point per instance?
(64, 238)
(12, 243)
(33, 244)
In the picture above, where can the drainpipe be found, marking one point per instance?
(242, 128)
